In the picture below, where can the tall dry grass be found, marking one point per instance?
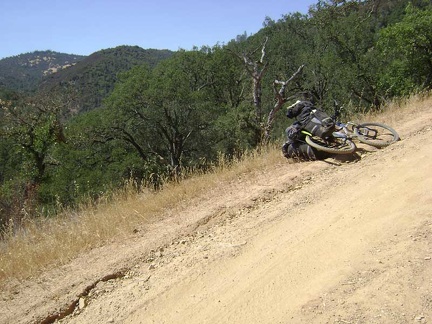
(49, 242)
(395, 111)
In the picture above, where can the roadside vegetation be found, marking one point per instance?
(40, 243)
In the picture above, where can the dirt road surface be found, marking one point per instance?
(315, 242)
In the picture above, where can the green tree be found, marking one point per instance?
(30, 129)
(165, 114)
(88, 166)
(34, 126)
(407, 47)
(347, 31)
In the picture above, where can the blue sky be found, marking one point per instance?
(86, 26)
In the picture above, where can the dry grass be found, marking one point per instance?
(51, 242)
(395, 111)
(44, 243)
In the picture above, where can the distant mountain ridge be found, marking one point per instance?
(93, 76)
(23, 72)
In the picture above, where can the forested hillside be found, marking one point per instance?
(94, 77)
(186, 111)
(24, 72)
(91, 78)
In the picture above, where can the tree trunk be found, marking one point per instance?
(280, 101)
(256, 70)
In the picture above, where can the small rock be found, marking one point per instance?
(82, 303)
(427, 258)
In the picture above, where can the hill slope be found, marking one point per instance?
(23, 72)
(308, 242)
(95, 76)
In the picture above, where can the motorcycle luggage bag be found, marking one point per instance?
(317, 122)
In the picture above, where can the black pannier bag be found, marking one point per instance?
(316, 122)
(300, 151)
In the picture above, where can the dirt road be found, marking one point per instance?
(315, 242)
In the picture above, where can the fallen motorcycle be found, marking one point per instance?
(340, 141)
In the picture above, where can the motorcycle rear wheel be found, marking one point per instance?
(335, 146)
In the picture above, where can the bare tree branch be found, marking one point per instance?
(281, 99)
